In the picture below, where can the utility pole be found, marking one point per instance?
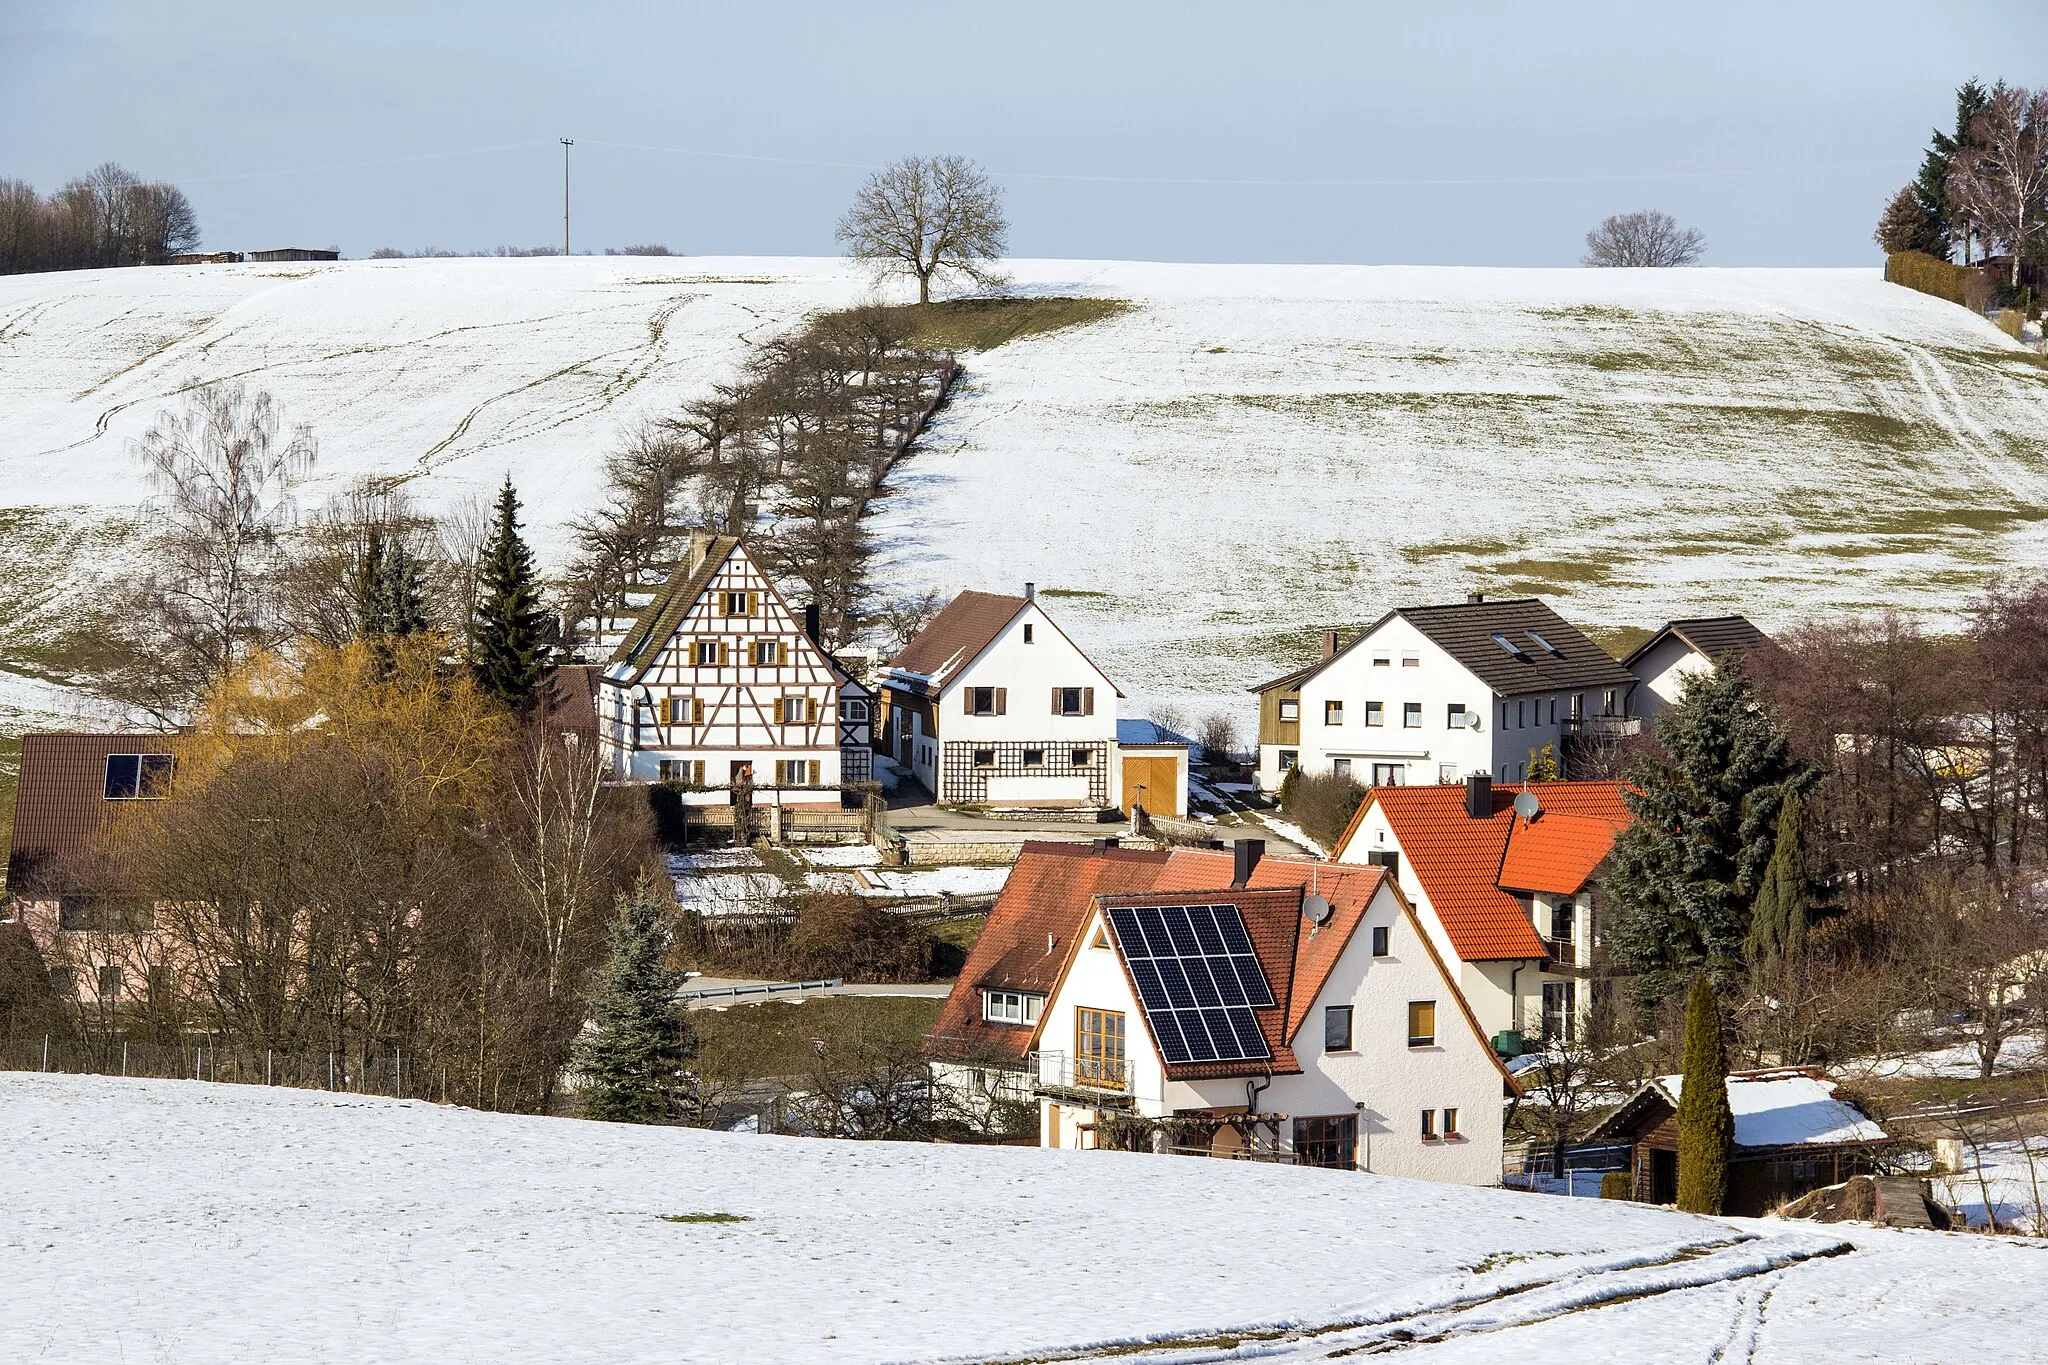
(567, 143)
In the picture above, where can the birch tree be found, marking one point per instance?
(2002, 181)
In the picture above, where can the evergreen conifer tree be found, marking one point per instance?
(1688, 867)
(632, 1055)
(1777, 922)
(373, 615)
(510, 653)
(1941, 230)
(1706, 1125)
(403, 591)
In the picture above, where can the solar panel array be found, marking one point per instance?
(1197, 978)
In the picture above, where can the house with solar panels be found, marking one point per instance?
(1509, 883)
(1429, 694)
(1224, 1003)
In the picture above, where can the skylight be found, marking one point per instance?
(1510, 646)
(1545, 645)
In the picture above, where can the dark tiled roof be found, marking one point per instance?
(956, 636)
(1712, 636)
(67, 836)
(1029, 936)
(1465, 631)
(1458, 860)
(659, 620)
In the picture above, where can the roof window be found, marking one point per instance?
(1545, 645)
(1514, 650)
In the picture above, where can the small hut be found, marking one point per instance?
(1792, 1134)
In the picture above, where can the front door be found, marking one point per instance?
(1663, 1176)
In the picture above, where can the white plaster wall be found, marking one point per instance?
(645, 766)
(1393, 1081)
(1663, 671)
(1029, 672)
(1436, 680)
(1096, 981)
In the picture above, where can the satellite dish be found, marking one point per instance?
(1527, 806)
(1472, 720)
(1316, 908)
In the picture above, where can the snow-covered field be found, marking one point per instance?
(179, 1222)
(1200, 484)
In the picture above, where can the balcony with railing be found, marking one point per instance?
(1600, 727)
(1104, 1082)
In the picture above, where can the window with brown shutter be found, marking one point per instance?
(723, 654)
(697, 716)
(1087, 701)
(815, 772)
(811, 715)
(778, 711)
(1002, 700)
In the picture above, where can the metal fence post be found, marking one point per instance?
(330, 1071)
(266, 1066)
(124, 1056)
(46, 1052)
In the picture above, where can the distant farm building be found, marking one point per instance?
(206, 258)
(297, 253)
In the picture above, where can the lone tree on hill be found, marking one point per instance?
(1703, 836)
(2001, 182)
(925, 214)
(511, 656)
(1645, 238)
(633, 1054)
(1706, 1125)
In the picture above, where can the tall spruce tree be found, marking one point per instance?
(403, 591)
(632, 1055)
(1688, 867)
(373, 616)
(1942, 231)
(1777, 919)
(510, 652)
(1706, 1125)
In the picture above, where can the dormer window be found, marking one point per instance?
(136, 777)
(1011, 1007)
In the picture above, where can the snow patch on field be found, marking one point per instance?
(305, 1226)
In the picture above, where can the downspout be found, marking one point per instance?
(1514, 998)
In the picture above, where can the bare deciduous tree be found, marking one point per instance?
(2001, 184)
(925, 214)
(227, 475)
(1645, 238)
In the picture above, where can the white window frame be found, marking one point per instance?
(1011, 1007)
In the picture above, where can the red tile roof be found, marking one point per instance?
(1029, 936)
(1556, 853)
(1458, 860)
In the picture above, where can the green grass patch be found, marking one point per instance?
(982, 324)
(1618, 641)
(705, 1218)
(1575, 571)
(952, 941)
(10, 778)
(1075, 592)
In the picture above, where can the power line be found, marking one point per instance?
(360, 165)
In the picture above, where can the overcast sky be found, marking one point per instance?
(1491, 133)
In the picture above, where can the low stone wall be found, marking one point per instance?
(984, 853)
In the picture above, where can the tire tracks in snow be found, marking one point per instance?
(1505, 1307)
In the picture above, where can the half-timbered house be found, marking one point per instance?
(720, 685)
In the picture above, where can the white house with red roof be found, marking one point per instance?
(1507, 880)
(1210, 1001)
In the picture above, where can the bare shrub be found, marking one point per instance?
(1218, 736)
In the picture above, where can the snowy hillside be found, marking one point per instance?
(180, 1222)
(1255, 453)
(1248, 455)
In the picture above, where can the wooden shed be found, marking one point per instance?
(1791, 1135)
(1154, 763)
(296, 253)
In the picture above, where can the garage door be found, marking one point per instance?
(1157, 777)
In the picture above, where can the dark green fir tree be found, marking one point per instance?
(509, 650)
(373, 616)
(1687, 869)
(1706, 1125)
(1777, 919)
(1943, 230)
(632, 1056)
(403, 591)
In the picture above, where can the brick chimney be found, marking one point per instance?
(1474, 598)
(1479, 795)
(1329, 644)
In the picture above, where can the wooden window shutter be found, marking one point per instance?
(778, 711)
(1087, 701)
(699, 772)
(1056, 701)
(1002, 701)
(722, 654)
(967, 700)
(752, 598)
(753, 653)
(814, 772)
(697, 716)
(811, 717)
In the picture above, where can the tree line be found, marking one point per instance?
(108, 217)
(1982, 185)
